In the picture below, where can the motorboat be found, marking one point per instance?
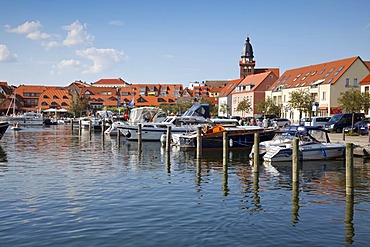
(152, 129)
(16, 127)
(3, 127)
(314, 144)
(26, 119)
(281, 138)
(238, 136)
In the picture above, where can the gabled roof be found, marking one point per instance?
(367, 63)
(110, 82)
(365, 81)
(324, 73)
(99, 90)
(57, 98)
(255, 80)
(230, 87)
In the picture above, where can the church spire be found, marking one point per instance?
(247, 63)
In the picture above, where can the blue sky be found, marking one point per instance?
(45, 42)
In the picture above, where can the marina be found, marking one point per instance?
(62, 186)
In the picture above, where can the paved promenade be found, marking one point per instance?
(357, 140)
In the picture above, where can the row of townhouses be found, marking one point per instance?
(325, 82)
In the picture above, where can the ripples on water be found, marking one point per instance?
(64, 189)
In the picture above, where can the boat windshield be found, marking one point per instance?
(318, 135)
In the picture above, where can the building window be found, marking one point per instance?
(323, 96)
(367, 90)
(347, 82)
(355, 84)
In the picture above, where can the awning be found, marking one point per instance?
(318, 82)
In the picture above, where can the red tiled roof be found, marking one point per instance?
(56, 98)
(230, 87)
(365, 81)
(110, 81)
(328, 72)
(255, 79)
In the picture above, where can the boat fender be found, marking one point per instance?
(231, 143)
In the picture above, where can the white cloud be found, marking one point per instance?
(77, 35)
(116, 23)
(69, 64)
(32, 30)
(51, 44)
(6, 55)
(103, 59)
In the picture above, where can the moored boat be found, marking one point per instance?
(3, 127)
(238, 137)
(314, 144)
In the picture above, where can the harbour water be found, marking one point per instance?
(62, 188)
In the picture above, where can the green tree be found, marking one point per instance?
(244, 106)
(301, 100)
(352, 101)
(225, 109)
(79, 105)
(268, 107)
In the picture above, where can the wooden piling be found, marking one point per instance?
(102, 130)
(90, 125)
(344, 135)
(168, 139)
(349, 169)
(71, 123)
(256, 153)
(80, 126)
(295, 160)
(199, 142)
(225, 147)
(139, 138)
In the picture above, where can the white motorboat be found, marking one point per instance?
(314, 144)
(26, 119)
(281, 138)
(152, 130)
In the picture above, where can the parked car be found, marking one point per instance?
(342, 120)
(281, 122)
(361, 127)
(317, 121)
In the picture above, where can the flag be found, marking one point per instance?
(131, 103)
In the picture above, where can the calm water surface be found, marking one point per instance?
(60, 188)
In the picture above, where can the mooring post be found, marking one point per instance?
(295, 160)
(71, 124)
(102, 129)
(80, 126)
(139, 138)
(199, 142)
(118, 139)
(344, 135)
(349, 169)
(225, 147)
(256, 152)
(90, 124)
(168, 139)
(368, 134)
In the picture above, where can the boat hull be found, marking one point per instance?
(235, 140)
(323, 151)
(3, 127)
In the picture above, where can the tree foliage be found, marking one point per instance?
(225, 109)
(244, 106)
(268, 106)
(352, 101)
(301, 100)
(79, 105)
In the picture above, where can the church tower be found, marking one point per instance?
(247, 63)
